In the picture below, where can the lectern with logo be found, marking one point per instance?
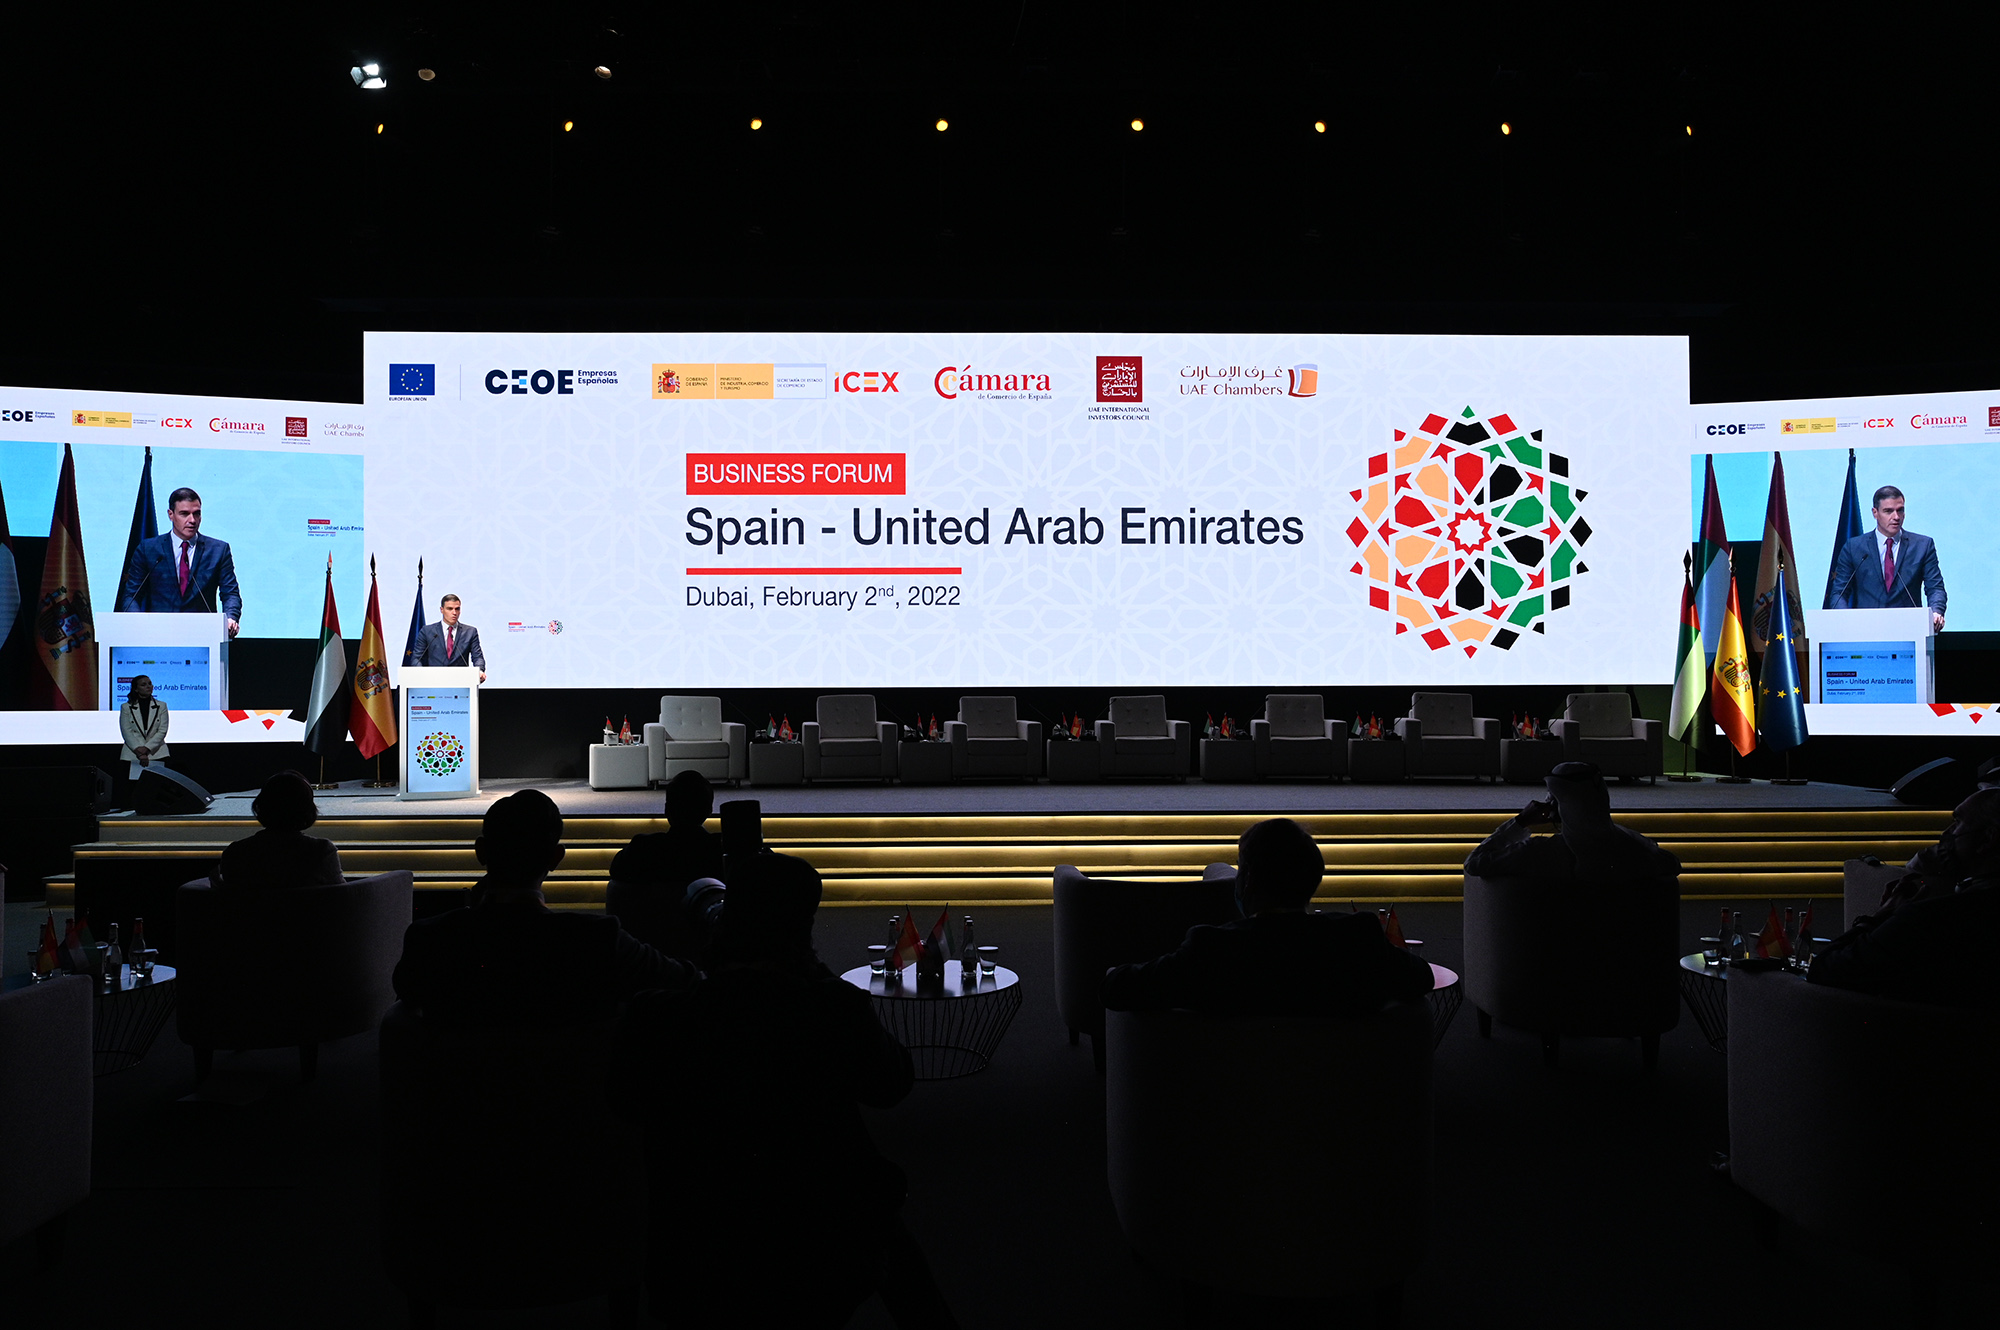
(1874, 655)
(440, 735)
(185, 655)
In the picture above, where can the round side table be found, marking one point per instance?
(950, 1031)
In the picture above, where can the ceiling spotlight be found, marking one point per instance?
(1319, 126)
(1138, 125)
(427, 74)
(368, 76)
(1690, 130)
(568, 125)
(603, 71)
(378, 129)
(755, 123)
(1506, 128)
(943, 125)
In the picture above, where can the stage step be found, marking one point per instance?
(994, 859)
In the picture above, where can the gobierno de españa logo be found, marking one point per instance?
(1469, 532)
(440, 754)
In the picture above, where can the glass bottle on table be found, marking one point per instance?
(142, 960)
(1738, 950)
(113, 957)
(968, 954)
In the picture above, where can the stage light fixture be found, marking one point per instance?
(603, 71)
(755, 123)
(378, 129)
(1506, 128)
(1319, 126)
(568, 125)
(1690, 130)
(1138, 125)
(943, 125)
(368, 75)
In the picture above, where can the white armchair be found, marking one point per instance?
(847, 742)
(691, 735)
(989, 739)
(1441, 737)
(1139, 740)
(1600, 728)
(1296, 739)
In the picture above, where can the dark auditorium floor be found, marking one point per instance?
(1578, 1197)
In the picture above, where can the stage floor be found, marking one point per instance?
(1003, 799)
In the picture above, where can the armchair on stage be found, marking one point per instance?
(1600, 728)
(989, 739)
(692, 736)
(1296, 739)
(847, 742)
(1441, 737)
(1139, 740)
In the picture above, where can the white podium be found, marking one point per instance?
(1873, 656)
(185, 655)
(439, 741)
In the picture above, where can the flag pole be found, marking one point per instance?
(1787, 778)
(1686, 737)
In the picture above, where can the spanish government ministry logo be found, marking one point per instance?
(439, 754)
(1469, 533)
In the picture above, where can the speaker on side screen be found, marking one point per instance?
(156, 796)
(1939, 784)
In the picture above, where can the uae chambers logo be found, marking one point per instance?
(1469, 533)
(439, 754)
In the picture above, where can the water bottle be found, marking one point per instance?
(1738, 950)
(113, 958)
(968, 954)
(142, 959)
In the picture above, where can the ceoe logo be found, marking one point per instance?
(520, 382)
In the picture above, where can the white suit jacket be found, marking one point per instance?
(136, 735)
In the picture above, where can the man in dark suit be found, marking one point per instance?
(666, 886)
(1587, 846)
(1881, 569)
(183, 571)
(450, 642)
(507, 959)
(1277, 959)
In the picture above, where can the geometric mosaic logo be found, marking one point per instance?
(439, 753)
(1468, 532)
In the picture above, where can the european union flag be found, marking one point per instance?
(1781, 702)
(412, 380)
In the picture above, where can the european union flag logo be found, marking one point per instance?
(412, 380)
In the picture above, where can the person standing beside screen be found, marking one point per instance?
(142, 725)
(449, 642)
(182, 571)
(1880, 569)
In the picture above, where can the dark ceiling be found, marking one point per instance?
(204, 204)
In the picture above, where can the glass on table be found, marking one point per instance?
(1711, 949)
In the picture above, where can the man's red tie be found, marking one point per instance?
(184, 570)
(1889, 564)
(448, 634)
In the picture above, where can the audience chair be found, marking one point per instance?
(1296, 739)
(287, 968)
(691, 735)
(1861, 1119)
(1441, 737)
(1862, 885)
(1139, 740)
(1600, 728)
(484, 1132)
(1589, 959)
(1280, 1156)
(1101, 922)
(847, 742)
(989, 739)
(46, 1097)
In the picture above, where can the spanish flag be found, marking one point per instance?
(1733, 701)
(66, 636)
(374, 717)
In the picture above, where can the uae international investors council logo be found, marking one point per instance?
(439, 754)
(1469, 532)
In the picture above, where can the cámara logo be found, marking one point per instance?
(955, 381)
(224, 425)
(1468, 532)
(1921, 421)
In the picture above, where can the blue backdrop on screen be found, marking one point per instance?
(282, 514)
(1948, 495)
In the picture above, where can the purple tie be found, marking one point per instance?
(448, 635)
(1889, 564)
(184, 570)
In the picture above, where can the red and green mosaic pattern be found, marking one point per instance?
(1469, 532)
(439, 754)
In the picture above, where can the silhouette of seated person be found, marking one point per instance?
(1933, 939)
(280, 854)
(1587, 847)
(507, 958)
(1277, 959)
(667, 886)
(770, 1204)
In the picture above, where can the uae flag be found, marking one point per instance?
(1711, 563)
(374, 715)
(66, 638)
(1690, 666)
(1733, 700)
(326, 713)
